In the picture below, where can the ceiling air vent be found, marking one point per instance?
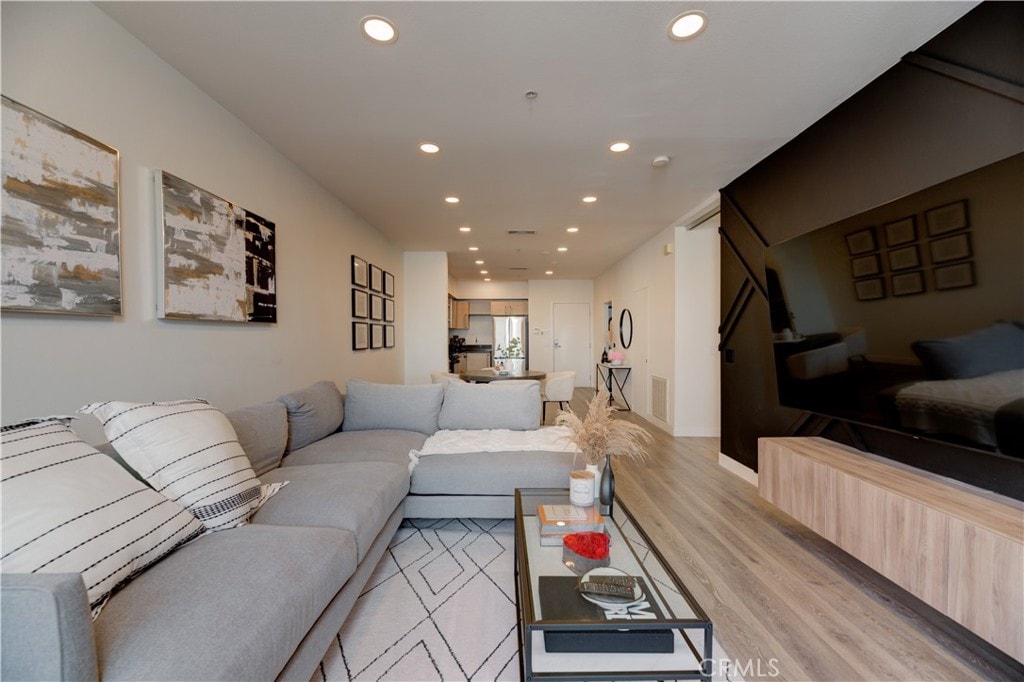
(523, 269)
(522, 232)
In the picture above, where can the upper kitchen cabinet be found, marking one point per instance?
(458, 314)
(508, 308)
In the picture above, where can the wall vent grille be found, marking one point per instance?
(659, 398)
(522, 232)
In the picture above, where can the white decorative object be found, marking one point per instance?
(68, 508)
(188, 451)
(596, 473)
(581, 487)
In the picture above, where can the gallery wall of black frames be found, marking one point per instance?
(950, 107)
(373, 306)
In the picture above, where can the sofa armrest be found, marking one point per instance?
(46, 628)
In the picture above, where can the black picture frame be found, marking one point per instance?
(955, 276)
(904, 258)
(376, 307)
(360, 303)
(360, 335)
(389, 336)
(376, 336)
(865, 266)
(871, 289)
(376, 279)
(389, 310)
(949, 249)
(900, 232)
(947, 218)
(359, 272)
(861, 241)
(908, 283)
(389, 284)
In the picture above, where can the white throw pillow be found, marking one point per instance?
(68, 508)
(188, 451)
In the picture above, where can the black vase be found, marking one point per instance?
(607, 489)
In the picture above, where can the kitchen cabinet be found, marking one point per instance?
(508, 308)
(458, 314)
(475, 361)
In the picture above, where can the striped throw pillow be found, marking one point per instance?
(189, 452)
(68, 508)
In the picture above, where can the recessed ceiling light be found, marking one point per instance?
(429, 148)
(465, 228)
(452, 200)
(483, 272)
(474, 248)
(589, 200)
(549, 272)
(487, 279)
(572, 229)
(563, 248)
(618, 146)
(379, 29)
(479, 262)
(687, 25)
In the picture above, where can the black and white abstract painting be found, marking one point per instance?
(218, 258)
(61, 221)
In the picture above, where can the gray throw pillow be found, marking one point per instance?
(392, 406)
(997, 348)
(513, 405)
(314, 413)
(263, 432)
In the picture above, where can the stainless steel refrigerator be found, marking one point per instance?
(510, 341)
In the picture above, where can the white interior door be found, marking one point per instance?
(572, 328)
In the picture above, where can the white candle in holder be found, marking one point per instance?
(581, 487)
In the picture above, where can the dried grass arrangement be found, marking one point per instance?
(599, 434)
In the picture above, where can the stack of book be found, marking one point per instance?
(559, 520)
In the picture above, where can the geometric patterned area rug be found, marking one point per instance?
(441, 606)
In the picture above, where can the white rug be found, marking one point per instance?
(440, 606)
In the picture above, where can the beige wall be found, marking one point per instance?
(73, 63)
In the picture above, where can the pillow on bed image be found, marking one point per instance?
(68, 508)
(188, 451)
(997, 348)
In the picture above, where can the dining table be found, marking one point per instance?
(485, 376)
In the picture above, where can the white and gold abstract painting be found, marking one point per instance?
(60, 227)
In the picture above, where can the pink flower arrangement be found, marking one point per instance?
(616, 356)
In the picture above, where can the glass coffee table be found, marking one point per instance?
(665, 634)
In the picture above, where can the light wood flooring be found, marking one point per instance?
(774, 589)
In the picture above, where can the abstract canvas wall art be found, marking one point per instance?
(61, 220)
(218, 258)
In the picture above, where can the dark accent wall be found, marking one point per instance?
(952, 106)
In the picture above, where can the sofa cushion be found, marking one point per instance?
(187, 451)
(262, 432)
(356, 496)
(490, 473)
(513, 405)
(382, 445)
(313, 412)
(997, 348)
(392, 406)
(67, 508)
(270, 583)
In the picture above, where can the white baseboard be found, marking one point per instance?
(737, 469)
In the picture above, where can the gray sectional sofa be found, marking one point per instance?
(265, 600)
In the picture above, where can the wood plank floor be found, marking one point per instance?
(775, 590)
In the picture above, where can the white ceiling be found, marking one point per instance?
(351, 113)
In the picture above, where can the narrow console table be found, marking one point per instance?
(613, 376)
(955, 547)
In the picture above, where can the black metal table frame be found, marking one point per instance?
(610, 375)
(525, 614)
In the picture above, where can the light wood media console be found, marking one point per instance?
(957, 548)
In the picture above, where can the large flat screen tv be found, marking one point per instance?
(910, 317)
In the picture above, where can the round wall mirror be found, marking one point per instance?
(626, 327)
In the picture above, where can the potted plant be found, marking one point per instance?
(599, 436)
